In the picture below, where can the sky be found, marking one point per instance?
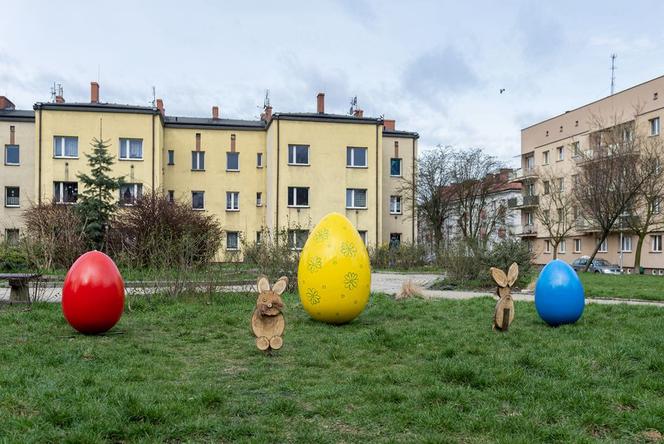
(436, 67)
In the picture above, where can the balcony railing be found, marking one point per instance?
(529, 230)
(523, 174)
(523, 202)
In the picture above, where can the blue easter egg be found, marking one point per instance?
(559, 295)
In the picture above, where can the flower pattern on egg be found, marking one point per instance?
(348, 249)
(322, 235)
(313, 296)
(314, 264)
(350, 280)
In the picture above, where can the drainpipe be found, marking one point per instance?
(153, 157)
(39, 172)
(276, 221)
(377, 189)
(414, 192)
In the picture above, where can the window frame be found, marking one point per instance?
(577, 246)
(654, 125)
(364, 235)
(624, 243)
(59, 199)
(545, 157)
(604, 246)
(230, 154)
(392, 159)
(562, 247)
(202, 193)
(292, 154)
(547, 246)
(350, 157)
(259, 160)
(237, 240)
(10, 240)
(234, 201)
(125, 143)
(655, 243)
(397, 207)
(200, 160)
(18, 196)
(560, 151)
(170, 156)
(292, 241)
(137, 193)
(18, 150)
(259, 199)
(353, 192)
(63, 144)
(295, 203)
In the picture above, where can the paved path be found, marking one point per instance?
(389, 283)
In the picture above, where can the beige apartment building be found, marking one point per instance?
(549, 152)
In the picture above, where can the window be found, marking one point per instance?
(356, 198)
(12, 236)
(259, 160)
(65, 146)
(604, 246)
(171, 196)
(561, 184)
(529, 218)
(131, 149)
(561, 153)
(12, 197)
(259, 237)
(546, 157)
(259, 199)
(298, 197)
(356, 157)
(298, 154)
(198, 200)
(575, 180)
(395, 167)
(654, 126)
(129, 192)
(65, 192)
(171, 157)
(363, 235)
(297, 238)
(12, 155)
(395, 240)
(656, 243)
(232, 161)
(626, 246)
(547, 246)
(576, 149)
(577, 245)
(198, 160)
(530, 189)
(656, 205)
(530, 162)
(546, 186)
(545, 214)
(395, 204)
(233, 201)
(561, 247)
(232, 240)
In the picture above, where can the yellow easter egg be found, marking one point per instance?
(334, 274)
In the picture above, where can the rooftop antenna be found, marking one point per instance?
(613, 72)
(266, 101)
(56, 90)
(353, 105)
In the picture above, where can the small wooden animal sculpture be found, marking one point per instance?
(267, 322)
(504, 314)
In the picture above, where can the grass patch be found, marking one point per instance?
(409, 371)
(628, 286)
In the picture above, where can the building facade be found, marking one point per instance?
(281, 173)
(550, 151)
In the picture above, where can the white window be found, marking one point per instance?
(198, 160)
(363, 235)
(656, 205)
(547, 246)
(626, 246)
(131, 149)
(561, 184)
(530, 163)
(529, 218)
(561, 153)
(259, 160)
(232, 240)
(297, 238)
(395, 204)
(604, 246)
(546, 186)
(654, 126)
(65, 192)
(298, 154)
(577, 245)
(576, 149)
(129, 192)
(546, 157)
(12, 197)
(656, 243)
(562, 247)
(259, 199)
(12, 155)
(198, 200)
(356, 157)
(298, 196)
(65, 146)
(171, 157)
(232, 161)
(232, 201)
(356, 198)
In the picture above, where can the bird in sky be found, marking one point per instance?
(502, 90)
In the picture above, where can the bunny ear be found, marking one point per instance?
(263, 284)
(498, 275)
(512, 274)
(280, 286)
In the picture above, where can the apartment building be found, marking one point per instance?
(550, 151)
(283, 172)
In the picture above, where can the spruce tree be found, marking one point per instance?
(96, 203)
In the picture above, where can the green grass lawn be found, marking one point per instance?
(630, 286)
(408, 371)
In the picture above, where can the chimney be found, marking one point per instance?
(5, 103)
(358, 113)
(320, 103)
(215, 112)
(160, 107)
(267, 115)
(389, 124)
(59, 99)
(94, 92)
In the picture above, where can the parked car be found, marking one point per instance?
(598, 266)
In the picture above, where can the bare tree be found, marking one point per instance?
(474, 182)
(606, 183)
(555, 211)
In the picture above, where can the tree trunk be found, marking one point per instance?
(639, 247)
(592, 257)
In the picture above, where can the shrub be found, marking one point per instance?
(13, 258)
(157, 233)
(507, 251)
(402, 257)
(273, 257)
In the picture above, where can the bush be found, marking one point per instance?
(510, 250)
(159, 234)
(13, 259)
(402, 257)
(273, 257)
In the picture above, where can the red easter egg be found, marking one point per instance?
(93, 293)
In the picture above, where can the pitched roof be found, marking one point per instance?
(17, 115)
(105, 107)
(208, 122)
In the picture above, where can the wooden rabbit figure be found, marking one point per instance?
(267, 322)
(504, 314)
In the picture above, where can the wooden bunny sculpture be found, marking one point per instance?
(504, 314)
(267, 322)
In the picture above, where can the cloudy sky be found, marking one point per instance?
(434, 66)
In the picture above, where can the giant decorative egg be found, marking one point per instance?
(559, 296)
(93, 293)
(334, 274)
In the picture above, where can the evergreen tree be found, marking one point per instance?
(96, 203)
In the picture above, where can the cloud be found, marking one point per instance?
(540, 36)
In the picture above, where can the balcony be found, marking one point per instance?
(523, 175)
(529, 230)
(523, 202)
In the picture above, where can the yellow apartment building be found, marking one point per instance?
(549, 151)
(281, 173)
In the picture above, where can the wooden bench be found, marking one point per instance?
(20, 285)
